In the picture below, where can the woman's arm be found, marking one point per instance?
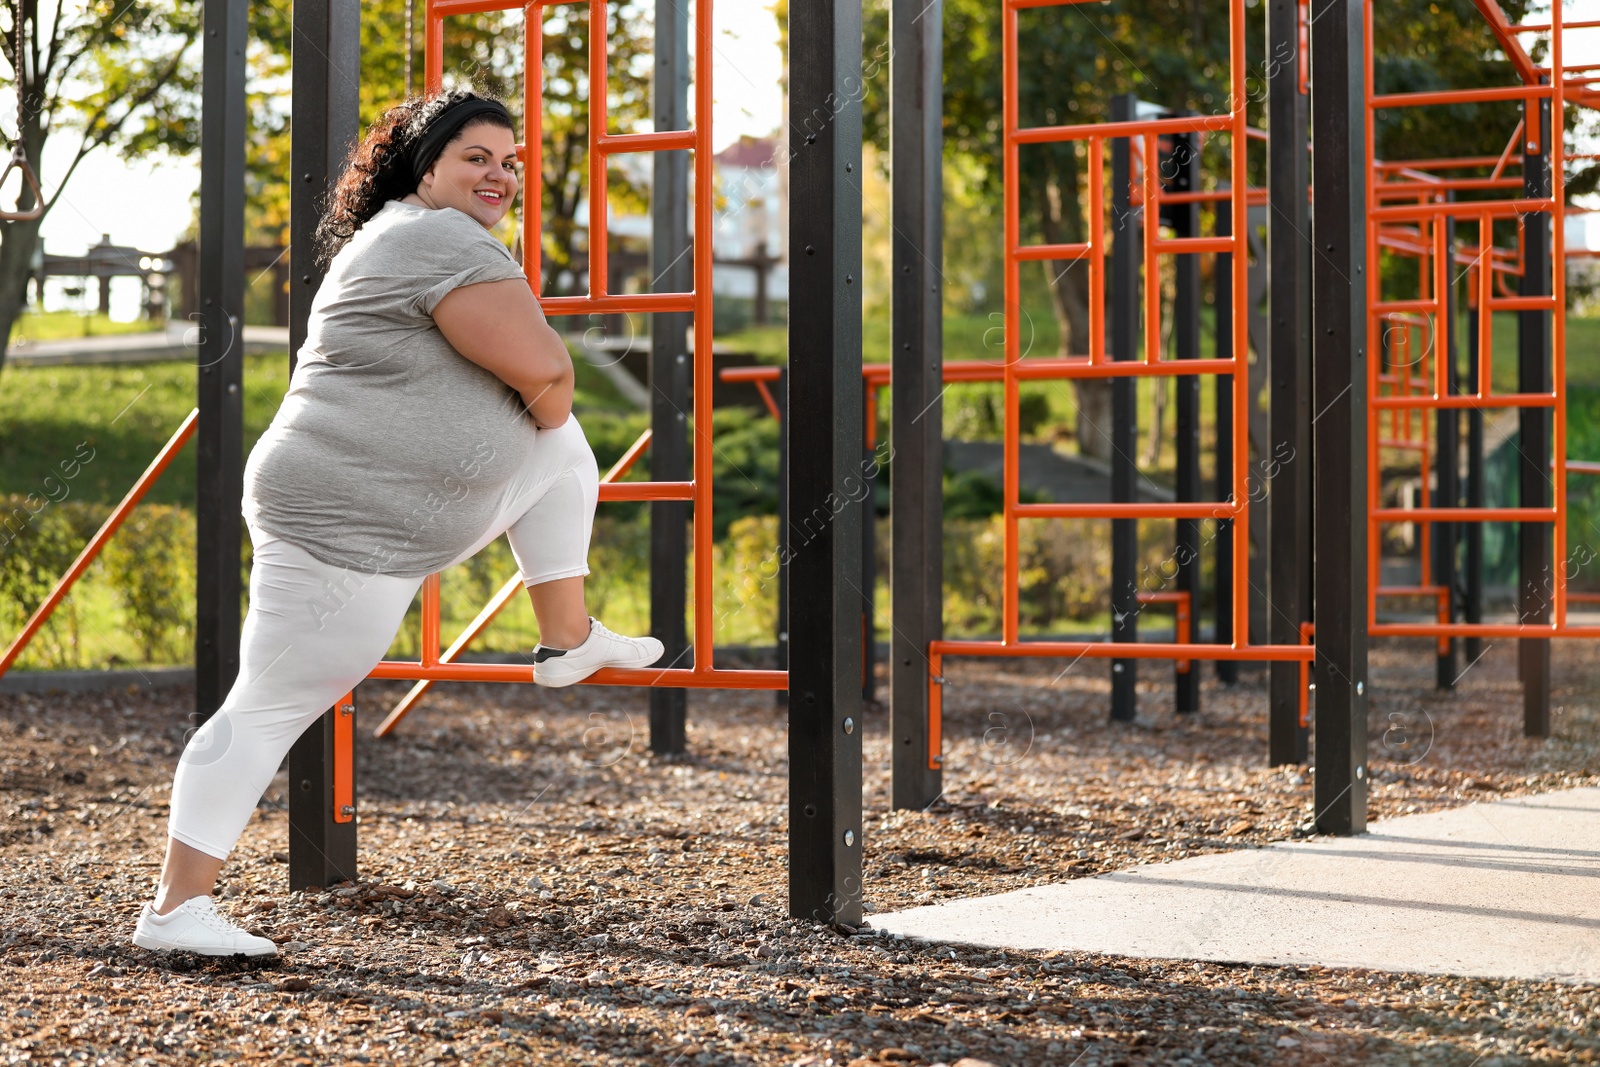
(499, 326)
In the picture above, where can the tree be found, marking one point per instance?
(114, 75)
(1073, 60)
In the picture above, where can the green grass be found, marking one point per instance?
(125, 412)
(61, 325)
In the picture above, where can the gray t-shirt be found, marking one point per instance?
(391, 448)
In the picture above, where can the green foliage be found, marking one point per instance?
(152, 562)
(975, 411)
(39, 539)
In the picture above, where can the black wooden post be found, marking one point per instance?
(1127, 255)
(1472, 598)
(1339, 353)
(1185, 222)
(1447, 483)
(916, 483)
(220, 438)
(1536, 574)
(1289, 253)
(824, 430)
(781, 624)
(1222, 622)
(672, 271)
(327, 67)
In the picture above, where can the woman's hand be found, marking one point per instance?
(500, 327)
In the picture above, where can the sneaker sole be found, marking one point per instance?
(151, 943)
(560, 681)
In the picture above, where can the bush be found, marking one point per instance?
(39, 539)
(151, 561)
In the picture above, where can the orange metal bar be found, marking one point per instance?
(430, 620)
(1009, 593)
(1136, 128)
(1239, 260)
(935, 709)
(1150, 172)
(1498, 400)
(433, 51)
(119, 514)
(672, 678)
(648, 491)
(1307, 631)
(766, 398)
(533, 150)
(599, 124)
(1373, 297)
(1049, 252)
(1097, 261)
(704, 629)
(1545, 27)
(638, 303)
(1221, 510)
(344, 759)
(1120, 650)
(1179, 599)
(1393, 515)
(1558, 287)
(1461, 96)
(662, 140)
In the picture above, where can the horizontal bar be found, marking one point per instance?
(1410, 590)
(1126, 511)
(1546, 27)
(1386, 307)
(614, 491)
(1493, 400)
(1121, 650)
(1083, 131)
(754, 374)
(1068, 251)
(640, 303)
(1020, 5)
(1463, 629)
(1461, 96)
(1461, 209)
(1582, 466)
(1047, 369)
(1522, 303)
(443, 8)
(1395, 442)
(613, 144)
(1436, 185)
(1195, 245)
(673, 678)
(1464, 514)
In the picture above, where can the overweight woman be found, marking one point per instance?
(430, 412)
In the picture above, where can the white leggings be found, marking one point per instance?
(296, 657)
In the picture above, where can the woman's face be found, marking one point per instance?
(476, 173)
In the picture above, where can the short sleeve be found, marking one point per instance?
(477, 257)
(489, 271)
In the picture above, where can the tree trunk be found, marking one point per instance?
(1061, 222)
(18, 239)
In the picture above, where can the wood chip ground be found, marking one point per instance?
(536, 888)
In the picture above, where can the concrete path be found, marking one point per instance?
(177, 341)
(1503, 890)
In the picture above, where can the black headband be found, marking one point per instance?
(425, 150)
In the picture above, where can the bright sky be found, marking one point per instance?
(149, 205)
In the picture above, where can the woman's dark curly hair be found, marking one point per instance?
(379, 169)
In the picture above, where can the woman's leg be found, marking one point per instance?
(547, 515)
(313, 631)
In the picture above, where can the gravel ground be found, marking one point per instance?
(537, 889)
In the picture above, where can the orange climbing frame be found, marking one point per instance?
(1410, 203)
(603, 144)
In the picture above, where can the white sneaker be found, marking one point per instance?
(557, 667)
(194, 926)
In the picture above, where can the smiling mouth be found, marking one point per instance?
(488, 196)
